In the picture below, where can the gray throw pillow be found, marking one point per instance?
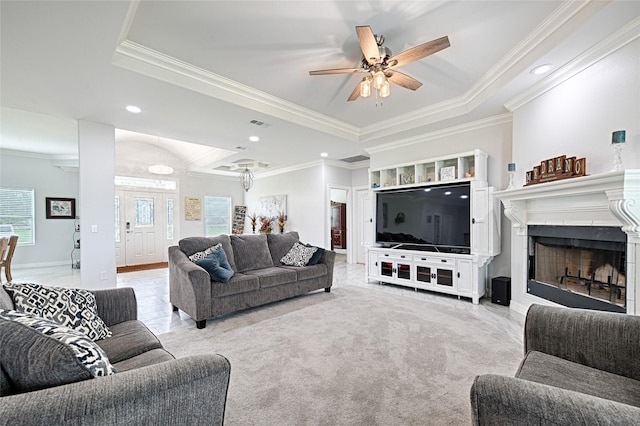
(73, 308)
(299, 255)
(37, 353)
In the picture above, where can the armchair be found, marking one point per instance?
(580, 367)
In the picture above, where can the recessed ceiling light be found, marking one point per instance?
(541, 69)
(324, 154)
(447, 193)
(254, 138)
(134, 109)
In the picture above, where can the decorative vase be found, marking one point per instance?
(282, 229)
(253, 228)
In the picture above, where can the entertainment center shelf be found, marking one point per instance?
(436, 223)
(467, 165)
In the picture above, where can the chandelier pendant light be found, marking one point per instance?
(246, 179)
(160, 168)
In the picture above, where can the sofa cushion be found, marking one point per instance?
(251, 252)
(130, 338)
(73, 308)
(239, 283)
(553, 371)
(216, 264)
(154, 356)
(5, 300)
(192, 245)
(299, 255)
(310, 271)
(6, 388)
(280, 244)
(271, 277)
(37, 353)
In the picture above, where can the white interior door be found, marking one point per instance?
(365, 223)
(140, 237)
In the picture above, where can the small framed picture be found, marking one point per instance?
(448, 173)
(61, 208)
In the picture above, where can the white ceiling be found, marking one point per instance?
(202, 70)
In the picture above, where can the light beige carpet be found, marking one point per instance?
(352, 357)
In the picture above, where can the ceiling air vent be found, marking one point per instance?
(354, 159)
(260, 123)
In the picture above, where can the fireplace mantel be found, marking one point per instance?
(607, 199)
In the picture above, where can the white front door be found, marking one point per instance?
(140, 228)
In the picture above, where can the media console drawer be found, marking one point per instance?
(434, 260)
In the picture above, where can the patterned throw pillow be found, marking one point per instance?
(41, 353)
(203, 254)
(299, 255)
(70, 307)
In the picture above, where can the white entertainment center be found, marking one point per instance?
(457, 271)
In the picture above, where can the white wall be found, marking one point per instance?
(199, 185)
(53, 237)
(577, 118)
(305, 191)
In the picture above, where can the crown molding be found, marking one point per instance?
(141, 59)
(443, 133)
(604, 48)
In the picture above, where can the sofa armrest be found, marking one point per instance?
(500, 400)
(602, 340)
(329, 259)
(116, 305)
(189, 285)
(190, 390)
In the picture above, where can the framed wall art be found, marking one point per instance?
(61, 208)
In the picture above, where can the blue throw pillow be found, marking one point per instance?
(217, 265)
(316, 256)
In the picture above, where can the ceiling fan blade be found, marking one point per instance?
(337, 71)
(418, 52)
(356, 92)
(368, 44)
(404, 80)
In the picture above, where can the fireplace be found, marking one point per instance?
(578, 266)
(576, 242)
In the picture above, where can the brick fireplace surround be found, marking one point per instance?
(606, 199)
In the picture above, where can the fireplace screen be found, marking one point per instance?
(576, 266)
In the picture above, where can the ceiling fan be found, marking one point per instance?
(380, 66)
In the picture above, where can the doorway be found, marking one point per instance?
(144, 227)
(338, 219)
(363, 235)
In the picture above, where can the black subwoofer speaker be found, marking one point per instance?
(501, 290)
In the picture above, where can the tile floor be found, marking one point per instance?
(154, 309)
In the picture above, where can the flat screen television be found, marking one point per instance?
(434, 218)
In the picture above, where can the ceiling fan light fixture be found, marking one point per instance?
(385, 90)
(365, 88)
(378, 79)
(246, 179)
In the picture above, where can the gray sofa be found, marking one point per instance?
(581, 368)
(259, 276)
(149, 387)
